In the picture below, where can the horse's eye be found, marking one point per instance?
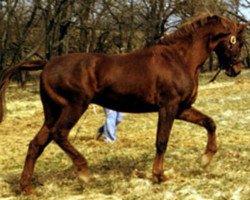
(230, 47)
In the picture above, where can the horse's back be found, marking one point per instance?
(130, 82)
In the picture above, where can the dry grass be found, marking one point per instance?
(123, 170)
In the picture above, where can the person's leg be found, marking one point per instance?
(110, 125)
(119, 117)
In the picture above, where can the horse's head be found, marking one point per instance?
(228, 50)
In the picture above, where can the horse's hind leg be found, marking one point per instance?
(196, 117)
(38, 144)
(36, 147)
(69, 116)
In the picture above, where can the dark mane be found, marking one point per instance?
(188, 28)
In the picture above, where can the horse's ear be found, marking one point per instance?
(242, 27)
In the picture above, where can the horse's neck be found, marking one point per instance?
(193, 54)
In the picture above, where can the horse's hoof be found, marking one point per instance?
(159, 178)
(84, 175)
(26, 190)
(206, 159)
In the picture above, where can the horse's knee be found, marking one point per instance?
(210, 125)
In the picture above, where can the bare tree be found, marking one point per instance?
(155, 15)
(48, 28)
(56, 19)
(6, 32)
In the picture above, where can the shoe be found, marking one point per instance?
(99, 135)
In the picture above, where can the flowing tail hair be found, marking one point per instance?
(7, 73)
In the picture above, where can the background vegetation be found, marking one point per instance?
(43, 29)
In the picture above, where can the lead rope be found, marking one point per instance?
(215, 76)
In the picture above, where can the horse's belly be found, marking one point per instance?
(126, 104)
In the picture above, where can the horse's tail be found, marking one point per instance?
(7, 73)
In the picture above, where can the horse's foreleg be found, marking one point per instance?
(60, 131)
(36, 147)
(194, 116)
(165, 122)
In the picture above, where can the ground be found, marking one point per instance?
(122, 170)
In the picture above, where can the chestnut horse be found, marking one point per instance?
(161, 78)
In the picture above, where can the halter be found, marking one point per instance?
(233, 39)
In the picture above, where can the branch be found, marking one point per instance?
(34, 50)
(237, 16)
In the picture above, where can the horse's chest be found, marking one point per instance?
(191, 90)
(191, 98)
(187, 90)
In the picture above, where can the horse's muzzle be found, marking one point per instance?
(234, 70)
